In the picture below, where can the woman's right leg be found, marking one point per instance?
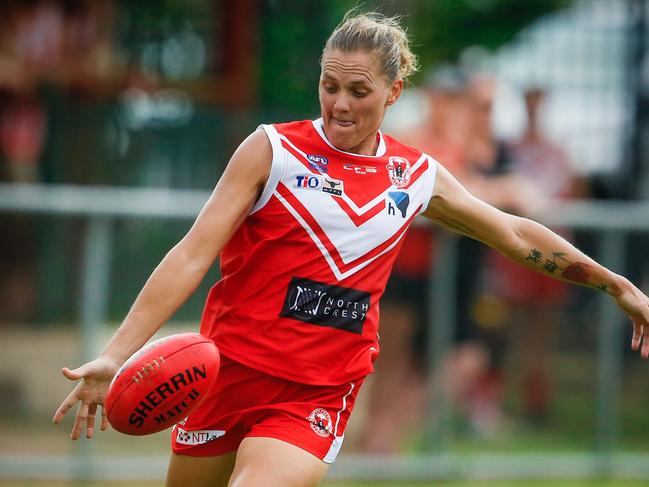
(185, 471)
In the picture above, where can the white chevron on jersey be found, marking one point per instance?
(350, 240)
(337, 271)
(372, 203)
(348, 236)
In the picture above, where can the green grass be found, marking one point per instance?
(521, 483)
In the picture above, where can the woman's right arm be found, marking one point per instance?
(175, 278)
(183, 268)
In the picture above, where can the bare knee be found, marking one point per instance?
(271, 462)
(185, 470)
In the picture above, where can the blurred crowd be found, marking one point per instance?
(61, 47)
(47, 44)
(506, 315)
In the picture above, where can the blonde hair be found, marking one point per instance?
(375, 33)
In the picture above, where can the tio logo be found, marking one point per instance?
(308, 181)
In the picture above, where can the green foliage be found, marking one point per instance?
(521, 483)
(292, 39)
(443, 28)
(295, 31)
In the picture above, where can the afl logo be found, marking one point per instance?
(320, 422)
(319, 163)
(399, 171)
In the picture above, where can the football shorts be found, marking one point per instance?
(248, 403)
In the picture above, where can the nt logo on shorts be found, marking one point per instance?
(198, 437)
(323, 304)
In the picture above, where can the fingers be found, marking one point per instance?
(65, 406)
(86, 416)
(75, 374)
(644, 353)
(640, 339)
(80, 421)
(104, 419)
(90, 423)
(637, 334)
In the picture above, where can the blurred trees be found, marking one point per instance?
(294, 32)
(160, 92)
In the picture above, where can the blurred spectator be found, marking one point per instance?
(30, 44)
(456, 132)
(487, 158)
(398, 390)
(43, 43)
(530, 303)
(65, 45)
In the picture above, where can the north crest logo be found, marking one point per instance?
(306, 300)
(320, 304)
(320, 422)
(398, 171)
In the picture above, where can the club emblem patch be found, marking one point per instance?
(399, 171)
(320, 422)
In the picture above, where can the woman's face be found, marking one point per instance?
(354, 94)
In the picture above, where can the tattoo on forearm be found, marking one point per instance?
(577, 272)
(550, 266)
(535, 256)
(560, 256)
(457, 226)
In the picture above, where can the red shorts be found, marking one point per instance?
(246, 402)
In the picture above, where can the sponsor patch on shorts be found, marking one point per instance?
(198, 437)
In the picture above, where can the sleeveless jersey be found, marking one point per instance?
(302, 276)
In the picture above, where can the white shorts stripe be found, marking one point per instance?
(331, 455)
(351, 389)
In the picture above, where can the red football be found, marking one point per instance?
(162, 383)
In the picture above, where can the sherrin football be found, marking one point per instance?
(162, 383)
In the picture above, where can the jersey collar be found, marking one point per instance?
(318, 124)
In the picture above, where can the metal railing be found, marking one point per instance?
(612, 221)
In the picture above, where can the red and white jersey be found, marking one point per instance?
(303, 275)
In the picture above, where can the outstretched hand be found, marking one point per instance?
(636, 304)
(91, 392)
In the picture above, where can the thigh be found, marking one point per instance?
(185, 470)
(271, 462)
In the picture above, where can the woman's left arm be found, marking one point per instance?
(535, 246)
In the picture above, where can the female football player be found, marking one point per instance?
(307, 220)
